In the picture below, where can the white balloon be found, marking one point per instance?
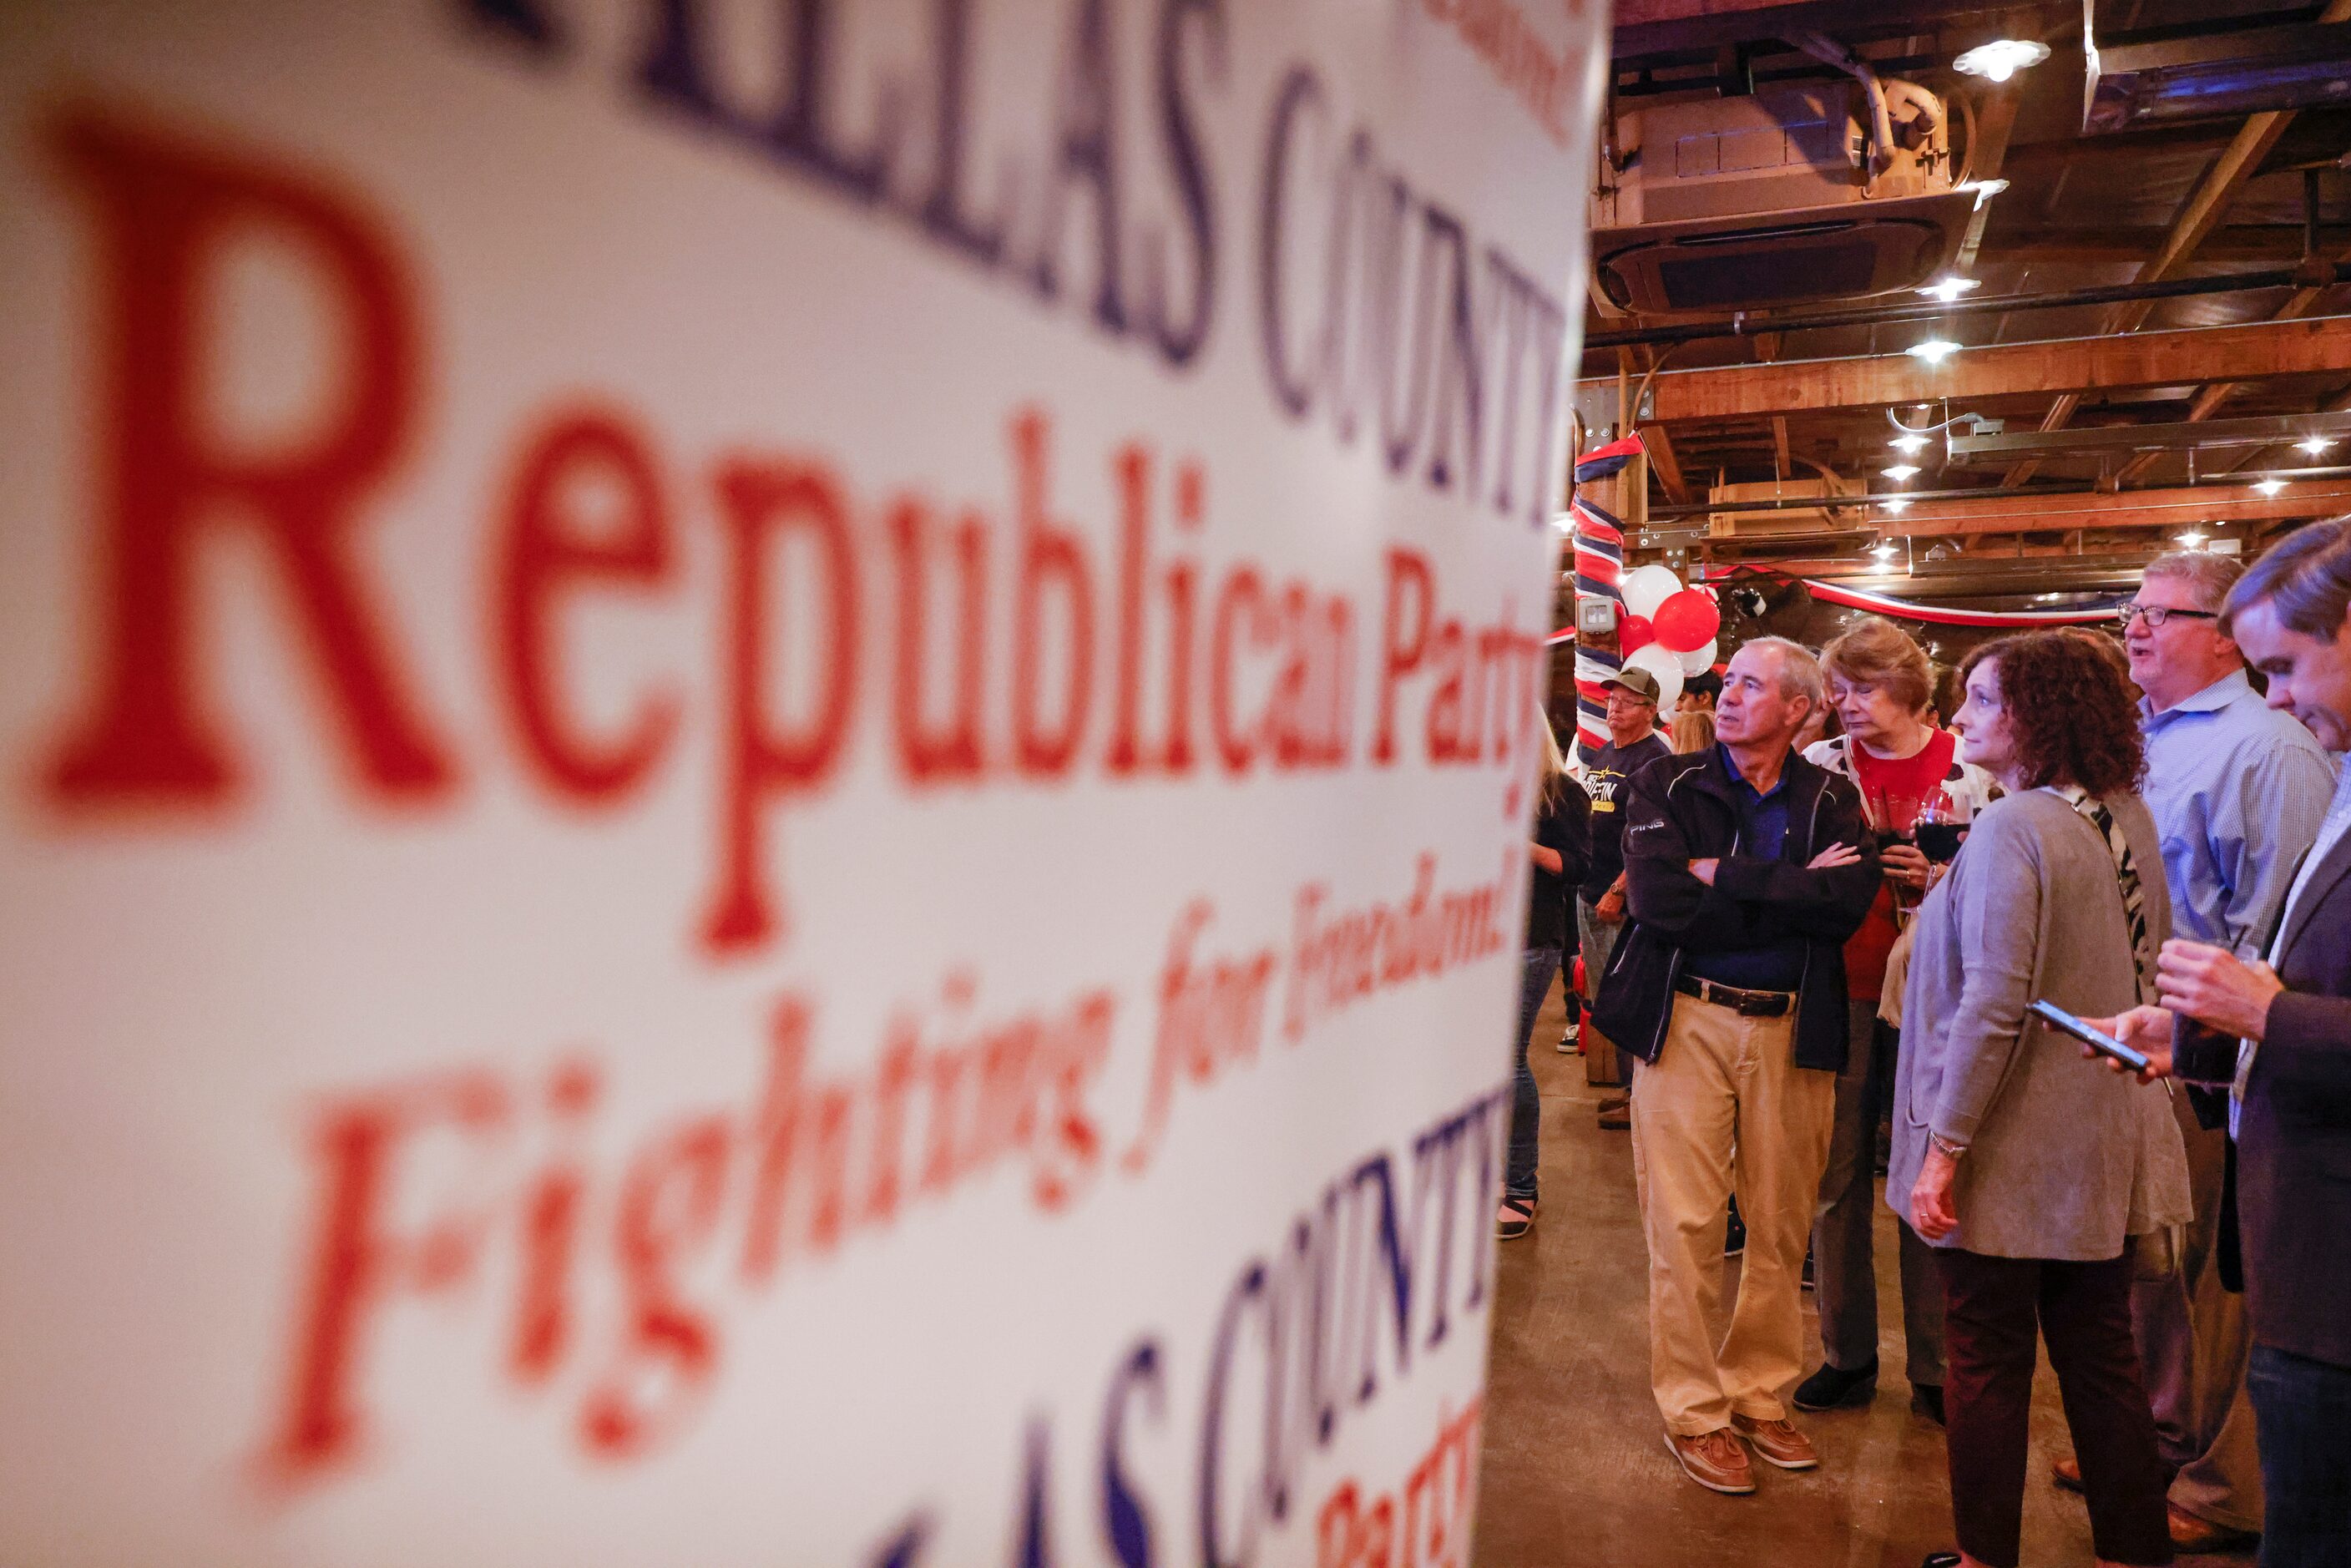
(1667, 665)
(1698, 661)
(1647, 587)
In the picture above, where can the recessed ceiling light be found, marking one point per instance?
(2192, 539)
(2001, 58)
(1894, 503)
(1912, 444)
(2270, 487)
(2315, 444)
(1934, 351)
(1902, 470)
(1885, 551)
(1950, 288)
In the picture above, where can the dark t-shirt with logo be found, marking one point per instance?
(1605, 778)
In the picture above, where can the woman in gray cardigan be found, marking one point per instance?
(2028, 1169)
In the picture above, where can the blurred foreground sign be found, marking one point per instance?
(766, 771)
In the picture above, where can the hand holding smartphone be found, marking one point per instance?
(2104, 1044)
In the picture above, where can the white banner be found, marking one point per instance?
(766, 771)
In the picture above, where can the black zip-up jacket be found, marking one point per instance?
(1685, 808)
(1565, 828)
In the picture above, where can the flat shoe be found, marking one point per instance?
(2191, 1534)
(1833, 1387)
(1717, 1460)
(1777, 1443)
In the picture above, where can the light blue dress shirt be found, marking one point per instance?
(2238, 791)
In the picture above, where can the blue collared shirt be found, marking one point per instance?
(2238, 791)
(1763, 833)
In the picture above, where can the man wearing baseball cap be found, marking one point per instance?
(1633, 744)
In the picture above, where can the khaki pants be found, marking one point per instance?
(1725, 1106)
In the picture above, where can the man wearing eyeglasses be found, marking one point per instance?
(2238, 791)
(1633, 744)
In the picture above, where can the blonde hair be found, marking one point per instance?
(1555, 780)
(1693, 731)
(1876, 653)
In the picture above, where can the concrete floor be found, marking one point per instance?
(1575, 1469)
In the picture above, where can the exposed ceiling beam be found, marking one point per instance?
(2238, 163)
(2203, 506)
(1647, 27)
(2060, 415)
(2209, 398)
(2207, 206)
(2252, 352)
(2250, 462)
(1780, 446)
(1664, 463)
(2276, 243)
(2264, 431)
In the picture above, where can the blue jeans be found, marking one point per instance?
(1525, 1108)
(2303, 1411)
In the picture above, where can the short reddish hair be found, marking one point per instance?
(1876, 653)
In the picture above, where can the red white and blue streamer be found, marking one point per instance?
(1599, 546)
(1937, 615)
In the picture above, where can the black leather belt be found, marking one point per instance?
(1745, 1003)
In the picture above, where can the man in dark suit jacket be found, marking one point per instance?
(2280, 1035)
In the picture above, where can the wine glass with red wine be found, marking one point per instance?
(1939, 826)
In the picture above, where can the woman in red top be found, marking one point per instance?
(1882, 686)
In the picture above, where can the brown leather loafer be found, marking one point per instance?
(1715, 1460)
(2190, 1534)
(1777, 1442)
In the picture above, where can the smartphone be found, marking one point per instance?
(2058, 1019)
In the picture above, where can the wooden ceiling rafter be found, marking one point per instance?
(2210, 397)
(2198, 505)
(2186, 357)
(2207, 206)
(1666, 462)
(1774, 417)
(2254, 458)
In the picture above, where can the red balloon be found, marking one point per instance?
(1635, 633)
(1687, 622)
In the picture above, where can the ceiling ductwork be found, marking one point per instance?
(1792, 196)
(2223, 77)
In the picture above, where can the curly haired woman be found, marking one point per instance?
(2027, 1168)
